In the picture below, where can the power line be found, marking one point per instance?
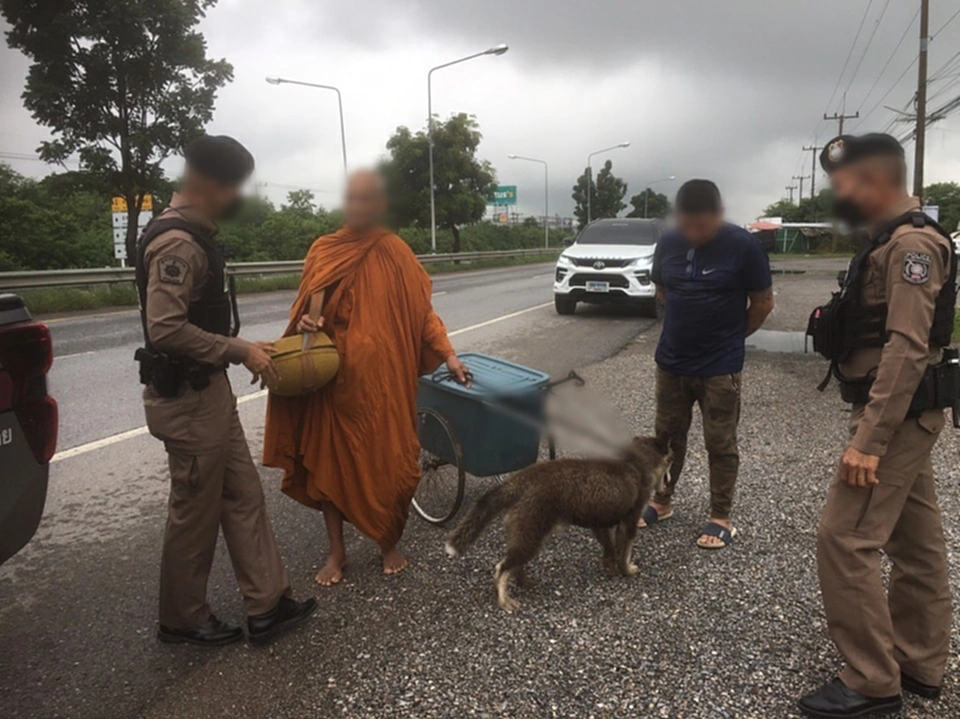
(887, 63)
(942, 27)
(887, 93)
(876, 26)
(849, 55)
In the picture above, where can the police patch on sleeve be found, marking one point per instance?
(916, 267)
(173, 269)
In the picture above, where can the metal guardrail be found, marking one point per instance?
(108, 275)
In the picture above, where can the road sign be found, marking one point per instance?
(119, 204)
(119, 207)
(505, 195)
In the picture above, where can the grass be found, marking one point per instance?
(73, 299)
(956, 328)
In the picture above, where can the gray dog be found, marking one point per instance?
(604, 495)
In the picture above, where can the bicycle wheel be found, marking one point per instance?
(442, 480)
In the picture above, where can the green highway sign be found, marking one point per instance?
(505, 195)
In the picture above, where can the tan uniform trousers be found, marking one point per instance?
(214, 485)
(908, 628)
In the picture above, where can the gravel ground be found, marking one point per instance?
(718, 635)
(737, 633)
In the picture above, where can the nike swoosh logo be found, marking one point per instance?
(707, 272)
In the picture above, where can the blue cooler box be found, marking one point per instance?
(492, 440)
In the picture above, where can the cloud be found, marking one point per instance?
(727, 90)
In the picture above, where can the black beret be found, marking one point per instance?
(220, 158)
(847, 149)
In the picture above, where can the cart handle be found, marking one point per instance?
(571, 377)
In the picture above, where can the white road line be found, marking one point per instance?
(537, 277)
(75, 354)
(140, 431)
(438, 294)
(498, 319)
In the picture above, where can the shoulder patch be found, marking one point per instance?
(173, 269)
(916, 267)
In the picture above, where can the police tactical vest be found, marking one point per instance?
(215, 311)
(845, 324)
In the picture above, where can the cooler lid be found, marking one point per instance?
(491, 376)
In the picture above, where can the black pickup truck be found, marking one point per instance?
(28, 423)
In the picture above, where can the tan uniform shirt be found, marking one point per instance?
(907, 274)
(177, 275)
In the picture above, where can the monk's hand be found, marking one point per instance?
(260, 365)
(859, 470)
(308, 324)
(458, 370)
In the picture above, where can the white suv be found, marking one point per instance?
(609, 262)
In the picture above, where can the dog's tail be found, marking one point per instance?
(491, 504)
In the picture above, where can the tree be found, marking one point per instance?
(301, 201)
(650, 204)
(946, 195)
(122, 83)
(606, 198)
(463, 182)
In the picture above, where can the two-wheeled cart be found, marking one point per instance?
(489, 429)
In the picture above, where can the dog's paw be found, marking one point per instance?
(450, 549)
(631, 570)
(509, 605)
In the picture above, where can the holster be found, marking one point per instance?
(939, 388)
(167, 374)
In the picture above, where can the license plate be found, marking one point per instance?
(598, 286)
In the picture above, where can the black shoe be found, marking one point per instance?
(836, 699)
(926, 691)
(261, 628)
(212, 633)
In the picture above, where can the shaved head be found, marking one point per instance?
(365, 201)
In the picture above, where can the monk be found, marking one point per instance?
(351, 449)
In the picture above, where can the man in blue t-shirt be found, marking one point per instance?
(714, 282)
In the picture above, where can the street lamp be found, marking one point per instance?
(646, 195)
(590, 173)
(495, 50)
(546, 181)
(343, 137)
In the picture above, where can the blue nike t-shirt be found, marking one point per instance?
(705, 318)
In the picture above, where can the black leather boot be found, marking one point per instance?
(914, 686)
(212, 633)
(837, 700)
(261, 628)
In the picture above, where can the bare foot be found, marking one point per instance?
(706, 540)
(663, 511)
(332, 572)
(393, 561)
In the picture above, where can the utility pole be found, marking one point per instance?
(840, 118)
(790, 189)
(813, 150)
(921, 100)
(801, 178)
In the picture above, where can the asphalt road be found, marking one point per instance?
(79, 603)
(94, 377)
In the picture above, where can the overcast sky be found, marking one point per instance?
(729, 90)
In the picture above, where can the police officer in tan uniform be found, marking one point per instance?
(885, 333)
(189, 318)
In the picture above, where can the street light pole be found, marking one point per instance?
(343, 136)
(546, 193)
(495, 50)
(590, 174)
(646, 195)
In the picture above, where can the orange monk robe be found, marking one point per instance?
(354, 443)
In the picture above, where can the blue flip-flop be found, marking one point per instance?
(651, 517)
(717, 530)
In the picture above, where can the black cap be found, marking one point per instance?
(847, 149)
(220, 158)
